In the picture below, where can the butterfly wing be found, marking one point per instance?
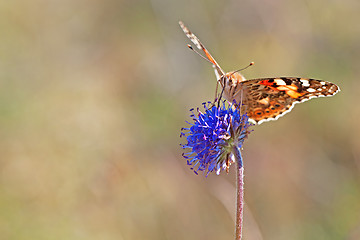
(268, 99)
(218, 71)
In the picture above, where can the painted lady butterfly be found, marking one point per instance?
(265, 99)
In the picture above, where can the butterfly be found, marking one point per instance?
(264, 99)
